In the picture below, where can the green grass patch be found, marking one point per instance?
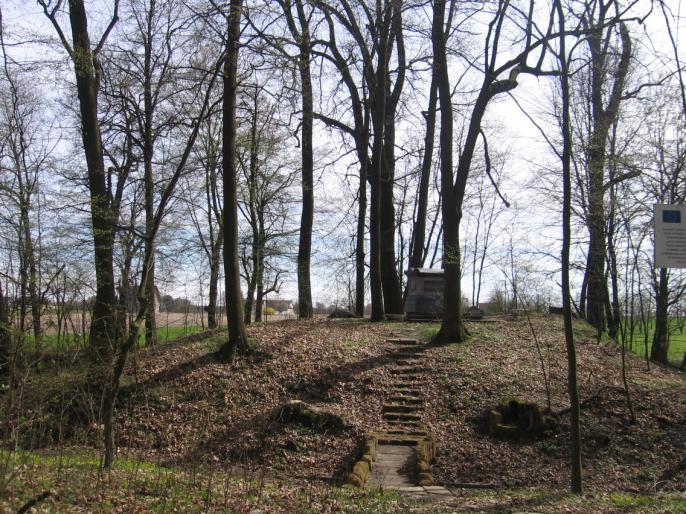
(77, 483)
(427, 331)
(71, 341)
(677, 342)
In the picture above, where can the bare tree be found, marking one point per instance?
(300, 32)
(604, 112)
(104, 200)
(264, 199)
(238, 340)
(566, 158)
(453, 184)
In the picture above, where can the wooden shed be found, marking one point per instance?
(424, 294)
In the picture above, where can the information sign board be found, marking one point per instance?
(670, 236)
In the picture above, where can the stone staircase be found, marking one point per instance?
(403, 447)
(398, 454)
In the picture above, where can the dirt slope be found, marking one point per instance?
(185, 408)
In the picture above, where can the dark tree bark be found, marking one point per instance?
(103, 336)
(660, 348)
(360, 134)
(602, 118)
(390, 281)
(301, 35)
(418, 254)
(5, 336)
(383, 28)
(238, 340)
(148, 148)
(572, 388)
(452, 327)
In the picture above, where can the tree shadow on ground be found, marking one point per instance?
(259, 439)
(318, 386)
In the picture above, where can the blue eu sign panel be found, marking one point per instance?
(670, 236)
(671, 216)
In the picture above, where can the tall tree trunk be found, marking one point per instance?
(572, 388)
(259, 287)
(602, 119)
(103, 337)
(238, 340)
(5, 336)
(660, 349)
(452, 327)
(307, 213)
(361, 229)
(212, 321)
(390, 282)
(419, 230)
(148, 143)
(250, 292)
(379, 122)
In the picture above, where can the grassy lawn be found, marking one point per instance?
(677, 343)
(164, 334)
(76, 483)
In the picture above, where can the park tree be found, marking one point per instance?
(377, 34)
(205, 207)
(300, 32)
(238, 340)
(145, 64)
(358, 129)
(530, 43)
(264, 199)
(664, 182)
(104, 186)
(25, 154)
(603, 93)
(563, 58)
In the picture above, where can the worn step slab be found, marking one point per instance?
(395, 407)
(401, 416)
(401, 399)
(403, 424)
(401, 439)
(403, 342)
(407, 370)
(405, 389)
(408, 379)
(410, 433)
(407, 350)
(390, 469)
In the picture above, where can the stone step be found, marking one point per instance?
(408, 362)
(406, 399)
(407, 349)
(408, 388)
(405, 426)
(403, 342)
(391, 432)
(407, 370)
(411, 379)
(401, 416)
(403, 355)
(398, 441)
(400, 408)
